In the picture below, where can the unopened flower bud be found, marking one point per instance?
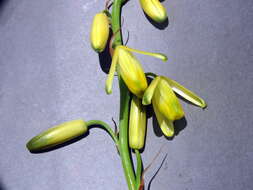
(99, 32)
(154, 9)
(132, 72)
(57, 135)
(137, 124)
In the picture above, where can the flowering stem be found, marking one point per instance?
(106, 127)
(138, 169)
(124, 104)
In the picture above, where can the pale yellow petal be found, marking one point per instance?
(185, 93)
(109, 81)
(156, 55)
(131, 72)
(166, 125)
(148, 95)
(167, 102)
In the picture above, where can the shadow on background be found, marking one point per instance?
(105, 57)
(7, 8)
(160, 26)
(3, 3)
(179, 125)
(2, 187)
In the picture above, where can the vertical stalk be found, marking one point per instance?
(138, 169)
(124, 104)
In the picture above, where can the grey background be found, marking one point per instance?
(49, 74)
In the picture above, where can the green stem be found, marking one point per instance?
(138, 169)
(105, 127)
(124, 104)
(116, 21)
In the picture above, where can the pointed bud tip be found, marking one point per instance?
(98, 50)
(145, 102)
(108, 91)
(204, 105)
(168, 133)
(165, 58)
(162, 57)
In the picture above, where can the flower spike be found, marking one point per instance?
(185, 93)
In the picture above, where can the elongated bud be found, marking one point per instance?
(132, 72)
(154, 9)
(137, 124)
(57, 135)
(99, 32)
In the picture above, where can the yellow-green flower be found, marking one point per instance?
(154, 9)
(99, 32)
(57, 135)
(129, 69)
(165, 103)
(137, 124)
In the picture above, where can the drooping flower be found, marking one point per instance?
(137, 124)
(165, 103)
(99, 32)
(154, 9)
(57, 135)
(129, 69)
